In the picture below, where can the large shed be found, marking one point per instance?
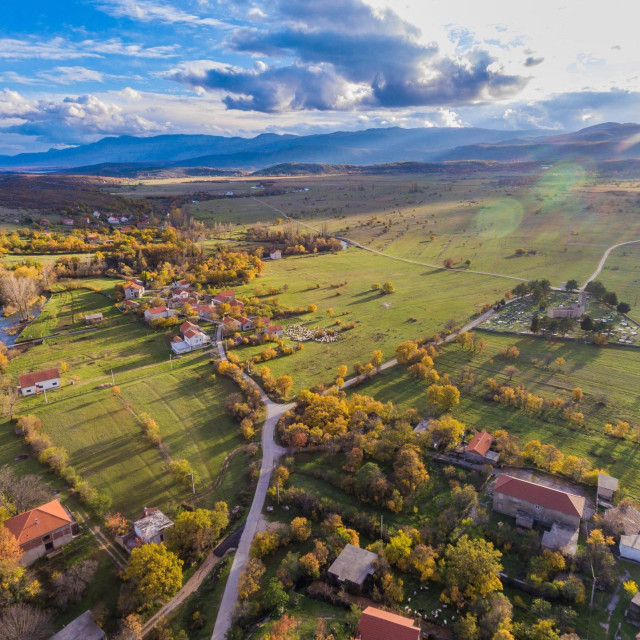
(353, 566)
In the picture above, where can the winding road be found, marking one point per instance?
(604, 258)
(271, 452)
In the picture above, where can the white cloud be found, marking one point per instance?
(148, 11)
(130, 94)
(71, 75)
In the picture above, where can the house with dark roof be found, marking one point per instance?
(353, 567)
(529, 502)
(376, 624)
(42, 530)
(623, 520)
(84, 627)
(39, 381)
(478, 449)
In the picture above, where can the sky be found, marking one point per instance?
(75, 71)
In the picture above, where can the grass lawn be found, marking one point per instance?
(622, 275)
(424, 300)
(586, 367)
(11, 259)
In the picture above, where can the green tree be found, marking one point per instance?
(194, 532)
(275, 598)
(444, 397)
(571, 285)
(471, 568)
(387, 288)
(154, 573)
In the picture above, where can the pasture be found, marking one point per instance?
(609, 378)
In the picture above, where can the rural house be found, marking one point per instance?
(93, 318)
(151, 525)
(41, 530)
(376, 624)
(276, 254)
(529, 502)
(224, 297)
(154, 313)
(478, 449)
(130, 304)
(630, 547)
(206, 312)
(607, 486)
(133, 290)
(274, 331)
(353, 567)
(84, 627)
(623, 520)
(230, 325)
(236, 304)
(193, 337)
(246, 324)
(38, 381)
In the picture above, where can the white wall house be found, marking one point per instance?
(38, 381)
(133, 290)
(158, 312)
(630, 547)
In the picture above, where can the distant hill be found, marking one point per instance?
(607, 141)
(371, 146)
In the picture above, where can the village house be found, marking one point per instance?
(224, 297)
(181, 284)
(133, 290)
(607, 486)
(151, 525)
(93, 318)
(246, 324)
(632, 614)
(113, 220)
(230, 325)
(478, 449)
(353, 568)
(206, 312)
(574, 311)
(68, 222)
(236, 304)
(276, 254)
(155, 313)
(529, 502)
(180, 294)
(193, 337)
(42, 530)
(561, 538)
(38, 381)
(92, 238)
(274, 331)
(130, 304)
(623, 520)
(84, 627)
(630, 547)
(376, 624)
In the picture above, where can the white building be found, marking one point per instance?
(193, 337)
(158, 312)
(630, 547)
(276, 255)
(133, 290)
(38, 381)
(150, 527)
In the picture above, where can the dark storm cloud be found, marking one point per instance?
(341, 54)
(532, 61)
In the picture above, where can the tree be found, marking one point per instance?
(444, 397)
(577, 394)
(249, 581)
(19, 494)
(284, 384)
(130, 628)
(342, 371)
(194, 532)
(300, 529)
(409, 470)
(283, 629)
(376, 358)
(610, 298)
(154, 573)
(467, 627)
(471, 568)
(25, 622)
(544, 630)
(510, 371)
(586, 324)
(598, 556)
(275, 598)
(571, 285)
(20, 292)
(445, 432)
(623, 307)
(387, 288)
(71, 584)
(310, 565)
(535, 323)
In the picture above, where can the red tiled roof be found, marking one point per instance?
(480, 443)
(188, 325)
(236, 303)
(155, 310)
(31, 379)
(274, 327)
(38, 522)
(376, 624)
(547, 497)
(229, 320)
(229, 293)
(133, 285)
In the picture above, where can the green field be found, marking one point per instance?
(587, 366)
(424, 300)
(622, 275)
(10, 259)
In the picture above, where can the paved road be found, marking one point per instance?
(271, 452)
(387, 255)
(467, 327)
(604, 258)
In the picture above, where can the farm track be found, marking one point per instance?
(603, 260)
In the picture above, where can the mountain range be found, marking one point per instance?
(127, 154)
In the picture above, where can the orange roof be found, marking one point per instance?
(38, 522)
(191, 332)
(376, 624)
(31, 379)
(228, 293)
(188, 325)
(133, 285)
(538, 494)
(155, 310)
(274, 327)
(480, 443)
(230, 320)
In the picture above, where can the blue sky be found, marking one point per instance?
(73, 71)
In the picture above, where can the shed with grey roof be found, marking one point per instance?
(607, 486)
(84, 627)
(353, 567)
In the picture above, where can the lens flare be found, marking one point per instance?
(499, 218)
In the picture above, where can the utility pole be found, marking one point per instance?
(193, 484)
(113, 380)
